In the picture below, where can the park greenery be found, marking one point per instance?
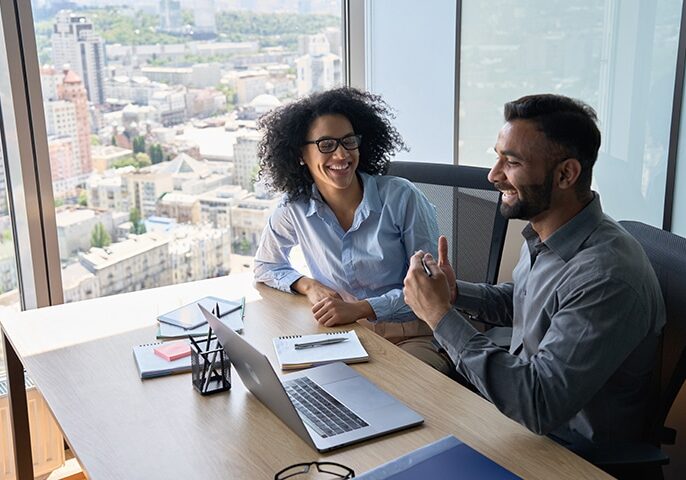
(138, 160)
(119, 25)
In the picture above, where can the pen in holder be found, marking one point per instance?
(209, 365)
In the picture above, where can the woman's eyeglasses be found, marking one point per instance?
(329, 145)
(330, 469)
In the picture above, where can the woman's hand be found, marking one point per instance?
(334, 311)
(313, 290)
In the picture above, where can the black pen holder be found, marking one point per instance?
(210, 365)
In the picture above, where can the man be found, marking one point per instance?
(585, 305)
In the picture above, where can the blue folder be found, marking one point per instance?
(446, 458)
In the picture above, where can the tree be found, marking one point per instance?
(125, 162)
(139, 144)
(83, 198)
(244, 246)
(230, 95)
(143, 160)
(95, 140)
(156, 153)
(99, 236)
(138, 227)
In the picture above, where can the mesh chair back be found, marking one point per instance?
(667, 254)
(467, 205)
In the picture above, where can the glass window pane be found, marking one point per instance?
(410, 61)
(150, 109)
(618, 56)
(9, 287)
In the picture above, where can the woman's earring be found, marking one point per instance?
(301, 162)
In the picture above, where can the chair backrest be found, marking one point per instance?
(468, 215)
(667, 254)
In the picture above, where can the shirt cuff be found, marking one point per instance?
(287, 281)
(382, 308)
(453, 332)
(469, 296)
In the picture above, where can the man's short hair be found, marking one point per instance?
(569, 123)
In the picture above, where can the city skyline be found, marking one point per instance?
(161, 151)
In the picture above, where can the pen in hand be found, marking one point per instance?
(320, 343)
(426, 268)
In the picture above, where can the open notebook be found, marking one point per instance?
(348, 351)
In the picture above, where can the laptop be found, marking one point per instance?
(329, 407)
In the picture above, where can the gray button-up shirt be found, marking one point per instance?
(586, 311)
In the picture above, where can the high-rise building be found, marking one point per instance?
(204, 17)
(64, 165)
(72, 91)
(67, 120)
(74, 42)
(319, 69)
(245, 159)
(170, 16)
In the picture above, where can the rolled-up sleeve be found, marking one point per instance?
(272, 265)
(598, 325)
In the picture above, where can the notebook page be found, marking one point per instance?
(350, 351)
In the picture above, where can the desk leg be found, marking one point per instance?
(19, 413)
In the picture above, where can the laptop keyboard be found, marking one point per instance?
(322, 412)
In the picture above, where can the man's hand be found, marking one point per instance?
(446, 268)
(314, 290)
(428, 297)
(334, 311)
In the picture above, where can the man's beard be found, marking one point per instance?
(532, 199)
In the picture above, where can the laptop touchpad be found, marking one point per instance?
(359, 394)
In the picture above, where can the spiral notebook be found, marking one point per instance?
(349, 351)
(150, 365)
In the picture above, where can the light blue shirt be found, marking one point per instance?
(369, 261)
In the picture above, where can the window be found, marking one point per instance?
(150, 114)
(619, 57)
(410, 61)
(9, 285)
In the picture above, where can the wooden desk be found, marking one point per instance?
(120, 427)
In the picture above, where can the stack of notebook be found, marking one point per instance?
(179, 324)
(188, 321)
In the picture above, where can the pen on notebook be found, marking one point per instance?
(320, 343)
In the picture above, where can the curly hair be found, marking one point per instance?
(285, 132)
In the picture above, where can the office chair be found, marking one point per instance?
(667, 254)
(467, 205)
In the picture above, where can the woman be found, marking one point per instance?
(357, 229)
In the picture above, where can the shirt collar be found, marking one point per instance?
(371, 201)
(567, 239)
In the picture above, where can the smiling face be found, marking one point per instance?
(333, 173)
(523, 172)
